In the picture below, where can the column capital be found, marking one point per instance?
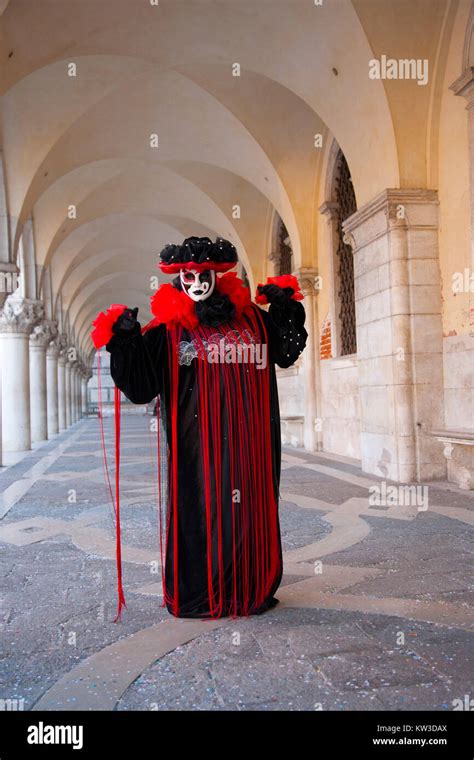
(62, 343)
(329, 209)
(20, 315)
(42, 335)
(393, 208)
(464, 86)
(307, 277)
(53, 350)
(72, 362)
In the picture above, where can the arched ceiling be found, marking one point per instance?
(224, 141)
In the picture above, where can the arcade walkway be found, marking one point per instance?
(375, 610)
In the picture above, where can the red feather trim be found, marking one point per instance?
(233, 287)
(220, 266)
(282, 281)
(103, 323)
(173, 307)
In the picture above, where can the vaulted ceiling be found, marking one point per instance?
(223, 141)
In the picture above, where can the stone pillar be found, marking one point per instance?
(78, 392)
(41, 336)
(311, 436)
(62, 361)
(330, 211)
(75, 394)
(84, 380)
(399, 333)
(17, 320)
(68, 385)
(464, 86)
(52, 404)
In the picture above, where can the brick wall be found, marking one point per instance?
(325, 340)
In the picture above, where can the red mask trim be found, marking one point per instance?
(216, 266)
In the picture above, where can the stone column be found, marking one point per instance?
(399, 333)
(78, 392)
(41, 336)
(330, 211)
(17, 320)
(62, 361)
(52, 404)
(84, 379)
(75, 395)
(311, 437)
(68, 385)
(464, 87)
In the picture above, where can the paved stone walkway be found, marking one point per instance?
(375, 607)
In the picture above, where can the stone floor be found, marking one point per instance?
(375, 607)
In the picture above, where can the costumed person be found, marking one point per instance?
(209, 357)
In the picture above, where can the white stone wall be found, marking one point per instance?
(340, 406)
(292, 409)
(458, 362)
(399, 333)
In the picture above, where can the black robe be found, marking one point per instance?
(222, 421)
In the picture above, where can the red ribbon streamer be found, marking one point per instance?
(116, 501)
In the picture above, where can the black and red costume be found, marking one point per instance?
(221, 415)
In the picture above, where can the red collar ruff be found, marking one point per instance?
(172, 307)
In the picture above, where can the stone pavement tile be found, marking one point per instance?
(310, 641)
(325, 699)
(442, 561)
(449, 497)
(182, 680)
(195, 691)
(315, 458)
(295, 660)
(306, 642)
(302, 480)
(463, 598)
(405, 543)
(300, 527)
(61, 606)
(425, 696)
(359, 701)
(139, 526)
(409, 584)
(372, 669)
(448, 650)
(233, 670)
(289, 683)
(288, 579)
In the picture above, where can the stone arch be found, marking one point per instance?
(340, 203)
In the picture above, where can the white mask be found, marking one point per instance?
(197, 285)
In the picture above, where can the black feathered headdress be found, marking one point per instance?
(198, 253)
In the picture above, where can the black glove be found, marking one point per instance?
(126, 321)
(275, 294)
